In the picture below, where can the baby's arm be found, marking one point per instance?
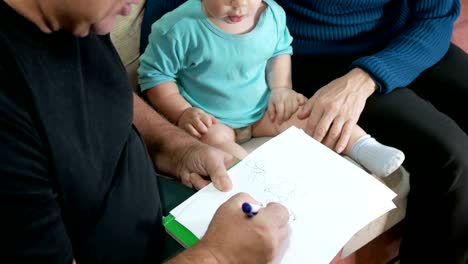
(196, 122)
(284, 101)
(160, 65)
(159, 68)
(166, 99)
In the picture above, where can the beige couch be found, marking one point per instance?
(126, 39)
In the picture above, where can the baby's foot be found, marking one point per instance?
(379, 159)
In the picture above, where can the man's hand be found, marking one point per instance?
(334, 110)
(283, 103)
(200, 161)
(232, 237)
(195, 121)
(175, 152)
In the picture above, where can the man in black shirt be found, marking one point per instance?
(76, 181)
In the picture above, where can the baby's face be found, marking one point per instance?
(231, 11)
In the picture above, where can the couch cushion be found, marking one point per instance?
(126, 39)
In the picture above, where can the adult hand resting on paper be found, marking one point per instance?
(200, 161)
(334, 110)
(175, 152)
(232, 237)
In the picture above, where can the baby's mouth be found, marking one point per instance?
(235, 19)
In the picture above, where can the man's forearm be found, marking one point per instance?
(194, 255)
(165, 142)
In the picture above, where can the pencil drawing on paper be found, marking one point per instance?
(275, 188)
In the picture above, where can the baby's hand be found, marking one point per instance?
(195, 121)
(283, 103)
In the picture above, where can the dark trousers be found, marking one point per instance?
(428, 121)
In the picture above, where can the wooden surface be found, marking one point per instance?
(381, 250)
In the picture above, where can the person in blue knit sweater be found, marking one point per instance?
(209, 70)
(77, 166)
(389, 66)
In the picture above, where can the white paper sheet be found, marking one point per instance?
(329, 198)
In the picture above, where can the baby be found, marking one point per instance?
(221, 70)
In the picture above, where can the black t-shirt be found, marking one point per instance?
(75, 177)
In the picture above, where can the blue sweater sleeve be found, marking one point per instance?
(422, 43)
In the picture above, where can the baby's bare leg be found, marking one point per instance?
(224, 138)
(356, 134)
(267, 128)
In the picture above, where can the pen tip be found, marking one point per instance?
(246, 207)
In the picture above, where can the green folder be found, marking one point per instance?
(179, 232)
(175, 229)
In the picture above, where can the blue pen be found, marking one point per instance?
(250, 209)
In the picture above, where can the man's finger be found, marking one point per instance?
(222, 182)
(219, 176)
(229, 160)
(197, 181)
(185, 179)
(314, 118)
(334, 133)
(345, 136)
(321, 129)
(276, 213)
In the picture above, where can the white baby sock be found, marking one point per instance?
(379, 159)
